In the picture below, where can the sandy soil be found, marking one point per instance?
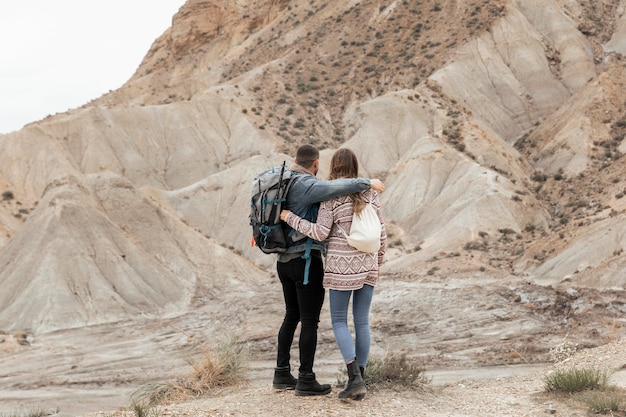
(486, 394)
(483, 342)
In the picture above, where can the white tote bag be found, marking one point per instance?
(365, 230)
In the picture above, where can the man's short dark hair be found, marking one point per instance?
(306, 155)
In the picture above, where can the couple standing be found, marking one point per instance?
(320, 209)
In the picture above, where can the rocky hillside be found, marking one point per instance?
(497, 126)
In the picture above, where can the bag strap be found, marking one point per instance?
(353, 216)
(307, 257)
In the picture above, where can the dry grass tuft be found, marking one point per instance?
(393, 371)
(587, 386)
(37, 412)
(609, 402)
(220, 366)
(576, 380)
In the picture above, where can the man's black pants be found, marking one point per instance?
(303, 304)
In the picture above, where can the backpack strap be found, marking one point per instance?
(307, 253)
(307, 257)
(265, 231)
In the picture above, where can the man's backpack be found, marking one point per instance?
(269, 193)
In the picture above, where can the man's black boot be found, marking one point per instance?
(355, 388)
(283, 378)
(307, 385)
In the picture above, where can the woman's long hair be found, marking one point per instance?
(344, 164)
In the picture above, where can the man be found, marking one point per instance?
(301, 271)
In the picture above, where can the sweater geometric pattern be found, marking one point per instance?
(345, 267)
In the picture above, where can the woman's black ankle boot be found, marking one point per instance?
(355, 388)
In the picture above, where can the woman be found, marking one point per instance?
(347, 272)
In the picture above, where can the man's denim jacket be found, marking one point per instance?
(307, 192)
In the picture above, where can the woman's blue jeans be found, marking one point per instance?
(361, 302)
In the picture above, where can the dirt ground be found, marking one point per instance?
(484, 342)
(482, 394)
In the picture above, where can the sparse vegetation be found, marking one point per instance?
(144, 410)
(507, 231)
(36, 412)
(539, 177)
(475, 245)
(432, 270)
(7, 195)
(608, 402)
(563, 350)
(575, 380)
(393, 371)
(588, 386)
(215, 367)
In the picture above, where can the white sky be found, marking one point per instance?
(57, 55)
